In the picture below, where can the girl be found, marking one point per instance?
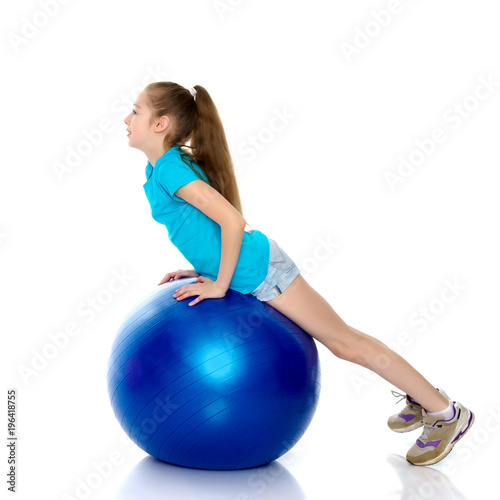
(191, 187)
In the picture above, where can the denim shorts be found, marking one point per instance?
(281, 271)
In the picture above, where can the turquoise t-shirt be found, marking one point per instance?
(196, 235)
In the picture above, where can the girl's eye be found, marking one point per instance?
(134, 112)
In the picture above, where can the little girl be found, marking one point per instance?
(192, 190)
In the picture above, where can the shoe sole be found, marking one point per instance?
(447, 450)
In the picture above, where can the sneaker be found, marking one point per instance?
(439, 436)
(410, 417)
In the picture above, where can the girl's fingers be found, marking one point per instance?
(174, 275)
(188, 291)
(183, 292)
(167, 278)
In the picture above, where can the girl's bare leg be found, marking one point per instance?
(308, 309)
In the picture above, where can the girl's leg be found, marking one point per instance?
(308, 309)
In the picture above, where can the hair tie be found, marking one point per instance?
(193, 91)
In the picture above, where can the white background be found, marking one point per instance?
(321, 178)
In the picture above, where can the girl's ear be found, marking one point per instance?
(162, 124)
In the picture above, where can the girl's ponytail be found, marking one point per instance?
(210, 151)
(197, 121)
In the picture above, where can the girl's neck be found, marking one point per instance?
(156, 153)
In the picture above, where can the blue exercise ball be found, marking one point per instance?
(228, 383)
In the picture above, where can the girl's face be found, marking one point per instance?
(140, 131)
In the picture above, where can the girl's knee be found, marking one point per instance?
(354, 347)
(347, 347)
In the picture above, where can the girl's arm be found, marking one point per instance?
(232, 224)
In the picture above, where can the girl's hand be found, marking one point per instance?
(181, 273)
(205, 288)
